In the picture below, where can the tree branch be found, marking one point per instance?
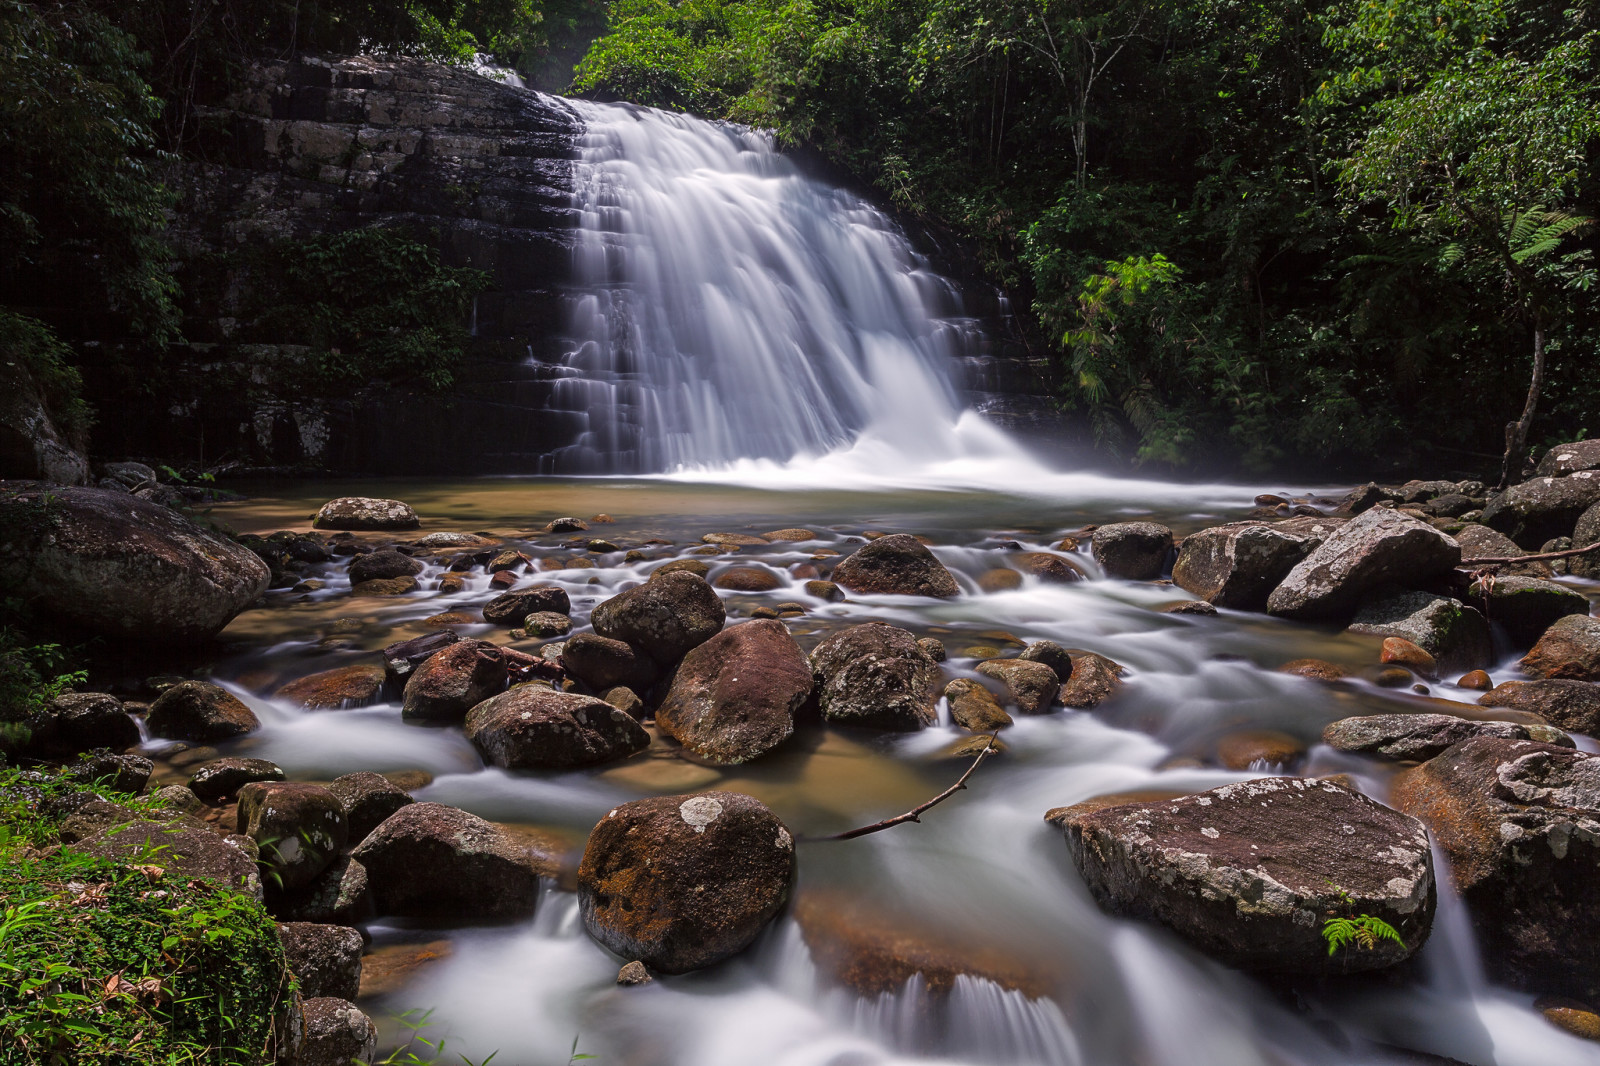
(913, 815)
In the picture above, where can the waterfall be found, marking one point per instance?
(729, 309)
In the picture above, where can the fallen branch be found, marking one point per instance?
(914, 815)
(1498, 559)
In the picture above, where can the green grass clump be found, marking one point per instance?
(124, 963)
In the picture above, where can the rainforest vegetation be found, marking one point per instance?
(1258, 233)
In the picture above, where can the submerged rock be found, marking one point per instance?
(1520, 824)
(200, 712)
(1419, 736)
(665, 618)
(534, 728)
(1376, 548)
(683, 882)
(1136, 551)
(875, 675)
(337, 689)
(432, 861)
(896, 565)
(734, 697)
(365, 514)
(1249, 872)
(115, 564)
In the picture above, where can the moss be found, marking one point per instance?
(104, 962)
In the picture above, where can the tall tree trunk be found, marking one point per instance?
(1517, 432)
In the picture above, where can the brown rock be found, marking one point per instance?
(1238, 565)
(748, 579)
(510, 608)
(824, 590)
(1000, 580)
(429, 860)
(790, 534)
(1476, 679)
(200, 712)
(896, 565)
(326, 959)
(1052, 569)
(218, 781)
(633, 974)
(683, 882)
(382, 565)
(337, 689)
(300, 829)
(688, 566)
(1571, 705)
(663, 618)
(1577, 1018)
(602, 663)
(390, 586)
(1402, 652)
(534, 728)
(1136, 551)
(1094, 680)
(1259, 747)
(453, 681)
(1032, 686)
(1315, 669)
(744, 540)
(734, 697)
(367, 800)
(974, 707)
(1569, 650)
(186, 850)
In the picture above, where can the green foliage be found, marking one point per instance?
(36, 348)
(420, 1050)
(1364, 931)
(118, 963)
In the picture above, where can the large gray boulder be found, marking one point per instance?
(114, 564)
(1249, 872)
(1543, 509)
(664, 618)
(365, 514)
(1376, 548)
(1422, 736)
(1136, 551)
(1520, 824)
(1525, 606)
(876, 676)
(1566, 459)
(1481, 542)
(532, 727)
(1238, 565)
(734, 697)
(896, 565)
(431, 861)
(1454, 634)
(683, 882)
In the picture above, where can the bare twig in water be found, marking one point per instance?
(1501, 559)
(915, 813)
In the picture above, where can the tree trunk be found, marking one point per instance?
(1517, 432)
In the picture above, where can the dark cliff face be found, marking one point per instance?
(315, 146)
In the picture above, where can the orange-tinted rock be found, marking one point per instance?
(347, 686)
(692, 566)
(824, 590)
(898, 564)
(1402, 652)
(391, 586)
(1568, 651)
(1252, 747)
(748, 579)
(1476, 679)
(744, 540)
(974, 707)
(1315, 669)
(790, 534)
(1576, 1017)
(1051, 569)
(734, 697)
(999, 580)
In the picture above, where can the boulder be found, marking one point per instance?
(1398, 651)
(510, 608)
(219, 781)
(1526, 606)
(386, 586)
(1455, 635)
(431, 861)
(300, 829)
(117, 565)
(383, 565)
(365, 514)
(899, 565)
(1050, 654)
(1545, 508)
(1363, 498)
(535, 728)
(974, 707)
(335, 1033)
(186, 850)
(404, 656)
(875, 675)
(448, 685)
(1238, 565)
(1094, 680)
(336, 689)
(1376, 548)
(687, 566)
(200, 712)
(824, 590)
(1573, 705)
(1568, 650)
(1520, 824)
(1585, 533)
(34, 441)
(934, 647)
(664, 618)
(1032, 686)
(325, 958)
(603, 663)
(683, 882)
(734, 697)
(116, 773)
(338, 894)
(1481, 542)
(748, 579)
(543, 624)
(1418, 737)
(76, 722)
(367, 799)
(1136, 551)
(1052, 569)
(1566, 459)
(1249, 872)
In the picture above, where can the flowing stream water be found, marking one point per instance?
(775, 354)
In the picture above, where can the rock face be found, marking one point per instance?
(336, 689)
(1134, 550)
(326, 958)
(535, 728)
(1569, 650)
(683, 882)
(300, 829)
(76, 722)
(665, 618)
(115, 564)
(734, 697)
(1455, 635)
(1520, 823)
(428, 860)
(201, 712)
(603, 663)
(1376, 548)
(1247, 872)
(1526, 606)
(365, 514)
(1238, 565)
(1416, 736)
(32, 444)
(448, 685)
(186, 851)
(1032, 686)
(896, 565)
(875, 675)
(1544, 508)
(510, 608)
(1571, 705)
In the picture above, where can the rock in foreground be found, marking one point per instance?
(432, 861)
(1249, 872)
(875, 675)
(1417, 736)
(683, 882)
(1136, 551)
(535, 728)
(735, 696)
